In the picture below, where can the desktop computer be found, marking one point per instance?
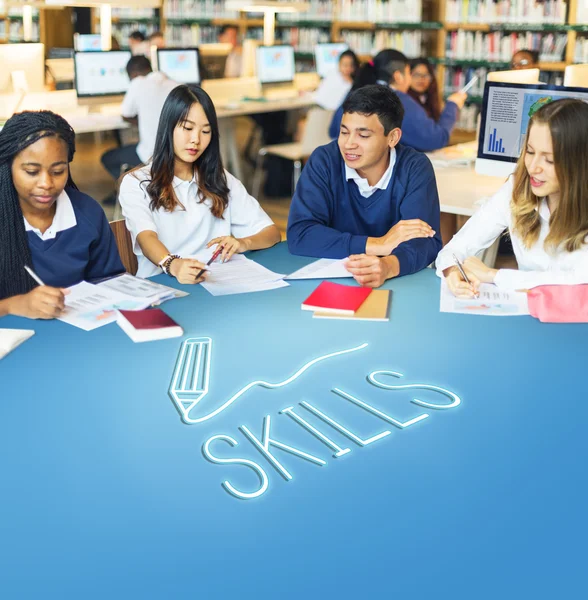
(506, 110)
(91, 42)
(27, 61)
(101, 75)
(515, 76)
(326, 57)
(214, 60)
(275, 70)
(179, 64)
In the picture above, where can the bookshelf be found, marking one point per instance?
(11, 24)
(126, 20)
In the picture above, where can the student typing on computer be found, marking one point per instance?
(544, 207)
(46, 223)
(420, 131)
(143, 103)
(367, 196)
(184, 200)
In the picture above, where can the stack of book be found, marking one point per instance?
(337, 301)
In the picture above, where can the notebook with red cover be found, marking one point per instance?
(149, 324)
(336, 298)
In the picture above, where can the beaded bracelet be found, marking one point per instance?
(165, 265)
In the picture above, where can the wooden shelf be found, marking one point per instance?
(467, 26)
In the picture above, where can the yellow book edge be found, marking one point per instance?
(375, 308)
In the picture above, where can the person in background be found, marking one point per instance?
(544, 207)
(229, 34)
(184, 201)
(367, 197)
(138, 43)
(142, 104)
(424, 88)
(525, 59)
(46, 223)
(334, 88)
(157, 39)
(391, 68)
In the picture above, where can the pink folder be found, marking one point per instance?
(559, 303)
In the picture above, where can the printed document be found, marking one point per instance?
(142, 288)
(491, 302)
(238, 275)
(324, 268)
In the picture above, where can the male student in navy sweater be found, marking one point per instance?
(420, 131)
(366, 197)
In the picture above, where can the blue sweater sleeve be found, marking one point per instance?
(421, 201)
(308, 231)
(421, 132)
(335, 125)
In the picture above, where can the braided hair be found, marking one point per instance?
(21, 131)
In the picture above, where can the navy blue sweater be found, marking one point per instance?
(419, 131)
(329, 218)
(85, 252)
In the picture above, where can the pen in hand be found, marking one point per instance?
(33, 275)
(463, 274)
(212, 259)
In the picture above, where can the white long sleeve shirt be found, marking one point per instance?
(536, 265)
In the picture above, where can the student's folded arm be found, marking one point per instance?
(104, 257)
(425, 134)
(512, 279)
(420, 202)
(480, 231)
(308, 231)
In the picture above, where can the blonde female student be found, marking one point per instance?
(184, 201)
(544, 206)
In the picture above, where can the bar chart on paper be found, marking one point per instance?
(495, 144)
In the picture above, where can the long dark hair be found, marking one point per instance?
(212, 181)
(21, 131)
(432, 102)
(381, 68)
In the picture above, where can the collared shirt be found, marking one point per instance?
(145, 99)
(64, 218)
(365, 189)
(189, 227)
(537, 266)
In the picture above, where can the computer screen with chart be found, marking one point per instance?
(101, 73)
(90, 42)
(506, 111)
(179, 64)
(326, 57)
(275, 64)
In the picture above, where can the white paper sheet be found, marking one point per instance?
(12, 338)
(89, 306)
(324, 268)
(239, 275)
(491, 302)
(142, 288)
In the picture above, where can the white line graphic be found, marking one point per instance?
(190, 380)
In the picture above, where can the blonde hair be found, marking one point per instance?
(568, 225)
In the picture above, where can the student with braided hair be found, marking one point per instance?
(45, 221)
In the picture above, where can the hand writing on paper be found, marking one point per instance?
(401, 232)
(231, 245)
(475, 268)
(459, 286)
(43, 302)
(372, 271)
(185, 270)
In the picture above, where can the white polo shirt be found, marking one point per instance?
(365, 189)
(64, 218)
(187, 229)
(537, 266)
(145, 99)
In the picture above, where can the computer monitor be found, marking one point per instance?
(90, 42)
(101, 73)
(26, 58)
(326, 57)
(179, 64)
(506, 110)
(275, 64)
(576, 75)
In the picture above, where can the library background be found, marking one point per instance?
(461, 38)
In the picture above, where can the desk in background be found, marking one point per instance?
(104, 485)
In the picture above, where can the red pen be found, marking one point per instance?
(213, 258)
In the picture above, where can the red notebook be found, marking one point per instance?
(336, 298)
(147, 325)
